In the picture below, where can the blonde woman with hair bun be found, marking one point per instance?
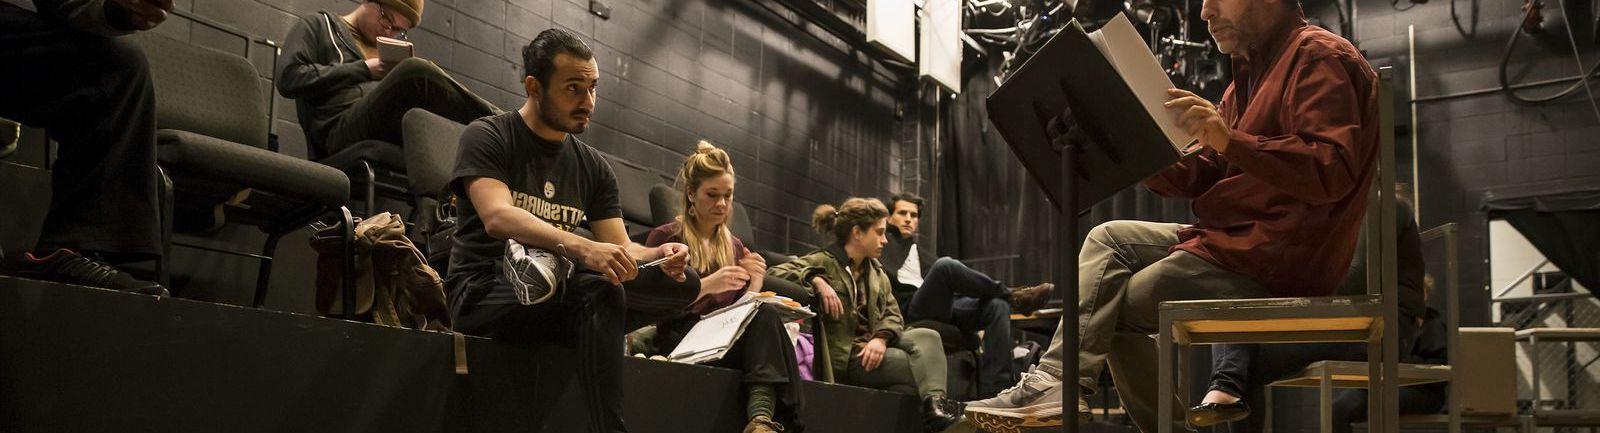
(727, 270)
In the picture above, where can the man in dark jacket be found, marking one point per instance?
(345, 94)
(65, 70)
(947, 291)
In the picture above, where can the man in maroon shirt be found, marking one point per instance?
(1278, 194)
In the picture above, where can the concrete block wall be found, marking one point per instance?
(805, 122)
(1470, 144)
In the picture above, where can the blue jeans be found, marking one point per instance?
(958, 295)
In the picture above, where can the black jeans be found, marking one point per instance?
(1243, 370)
(93, 95)
(763, 353)
(586, 315)
(413, 83)
(958, 295)
(654, 297)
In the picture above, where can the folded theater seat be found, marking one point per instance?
(211, 121)
(633, 185)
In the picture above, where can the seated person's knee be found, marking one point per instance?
(922, 338)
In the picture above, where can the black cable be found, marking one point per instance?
(1505, 61)
(1457, 19)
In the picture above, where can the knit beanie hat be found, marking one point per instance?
(411, 9)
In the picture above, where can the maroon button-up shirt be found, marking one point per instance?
(1284, 204)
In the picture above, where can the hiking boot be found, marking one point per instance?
(940, 412)
(762, 424)
(67, 266)
(1026, 300)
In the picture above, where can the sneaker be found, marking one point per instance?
(1026, 300)
(762, 424)
(1034, 388)
(67, 266)
(533, 274)
(1024, 419)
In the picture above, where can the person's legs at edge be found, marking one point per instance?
(913, 364)
(993, 317)
(1111, 254)
(1242, 370)
(413, 83)
(771, 374)
(653, 296)
(1350, 405)
(93, 95)
(1179, 277)
(587, 315)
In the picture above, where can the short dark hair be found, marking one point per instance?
(908, 198)
(539, 57)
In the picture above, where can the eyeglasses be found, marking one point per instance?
(388, 22)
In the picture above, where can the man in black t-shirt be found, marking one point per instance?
(528, 179)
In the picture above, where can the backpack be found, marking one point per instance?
(395, 286)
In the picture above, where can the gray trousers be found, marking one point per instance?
(1125, 272)
(914, 364)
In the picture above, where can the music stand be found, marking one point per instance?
(1125, 146)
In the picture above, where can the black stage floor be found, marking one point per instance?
(75, 359)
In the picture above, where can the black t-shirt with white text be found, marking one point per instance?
(564, 184)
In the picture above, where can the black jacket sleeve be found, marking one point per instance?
(302, 73)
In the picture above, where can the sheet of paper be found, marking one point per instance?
(1128, 53)
(714, 334)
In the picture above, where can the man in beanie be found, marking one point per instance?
(345, 94)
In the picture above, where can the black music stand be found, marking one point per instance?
(1124, 146)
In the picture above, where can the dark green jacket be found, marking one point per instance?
(881, 311)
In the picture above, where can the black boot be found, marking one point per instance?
(940, 412)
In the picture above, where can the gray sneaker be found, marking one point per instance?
(1035, 402)
(1034, 388)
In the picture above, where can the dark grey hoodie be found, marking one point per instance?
(324, 73)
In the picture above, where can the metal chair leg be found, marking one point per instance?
(167, 199)
(264, 275)
(372, 187)
(1266, 395)
(1325, 401)
(347, 280)
(1164, 376)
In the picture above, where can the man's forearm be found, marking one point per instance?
(517, 224)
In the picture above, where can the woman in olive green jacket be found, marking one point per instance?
(865, 338)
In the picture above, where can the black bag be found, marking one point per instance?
(438, 229)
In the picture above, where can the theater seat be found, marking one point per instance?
(211, 121)
(378, 166)
(432, 143)
(633, 186)
(664, 205)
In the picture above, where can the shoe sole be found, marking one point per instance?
(1015, 423)
(1203, 419)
